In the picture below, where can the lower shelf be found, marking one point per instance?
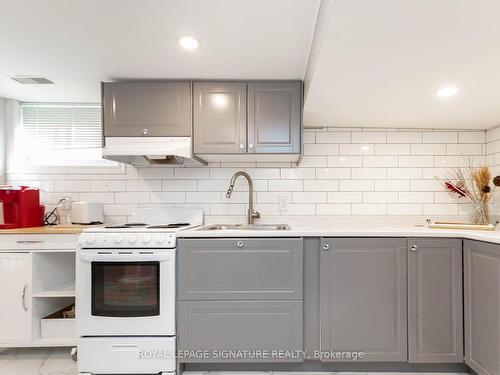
(53, 342)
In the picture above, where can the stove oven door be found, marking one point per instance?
(126, 292)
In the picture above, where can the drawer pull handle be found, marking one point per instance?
(29, 242)
(413, 248)
(239, 244)
(326, 246)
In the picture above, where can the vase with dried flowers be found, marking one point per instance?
(473, 184)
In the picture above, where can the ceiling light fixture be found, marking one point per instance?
(188, 42)
(447, 91)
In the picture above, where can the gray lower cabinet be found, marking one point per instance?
(435, 314)
(149, 108)
(274, 117)
(220, 117)
(482, 306)
(240, 269)
(363, 297)
(242, 296)
(225, 329)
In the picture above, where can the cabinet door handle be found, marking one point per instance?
(29, 242)
(239, 244)
(23, 298)
(145, 131)
(242, 147)
(326, 246)
(413, 248)
(250, 147)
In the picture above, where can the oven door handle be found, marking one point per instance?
(125, 258)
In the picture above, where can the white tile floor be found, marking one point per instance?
(59, 362)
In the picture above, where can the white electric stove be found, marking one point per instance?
(125, 288)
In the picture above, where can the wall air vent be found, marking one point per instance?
(31, 80)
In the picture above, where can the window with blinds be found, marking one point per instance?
(59, 127)
(62, 134)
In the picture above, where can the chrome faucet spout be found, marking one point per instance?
(252, 214)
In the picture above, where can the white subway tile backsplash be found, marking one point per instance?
(369, 137)
(333, 137)
(286, 185)
(404, 209)
(179, 185)
(416, 197)
(345, 197)
(144, 185)
(369, 209)
(333, 173)
(416, 161)
(380, 197)
(369, 174)
(191, 173)
(472, 137)
(297, 173)
(333, 209)
(356, 149)
(392, 149)
(321, 149)
(404, 173)
(309, 197)
(440, 137)
(464, 149)
(380, 161)
(345, 161)
(132, 197)
(321, 185)
(344, 171)
(73, 185)
(428, 149)
(168, 197)
(404, 137)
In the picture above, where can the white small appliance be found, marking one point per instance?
(87, 213)
(125, 293)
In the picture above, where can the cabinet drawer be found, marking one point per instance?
(220, 326)
(28, 242)
(240, 269)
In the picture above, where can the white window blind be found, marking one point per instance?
(62, 126)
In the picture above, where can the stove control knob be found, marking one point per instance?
(159, 239)
(132, 239)
(90, 239)
(118, 239)
(146, 239)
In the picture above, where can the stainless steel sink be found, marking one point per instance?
(245, 227)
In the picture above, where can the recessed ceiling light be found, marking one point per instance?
(188, 42)
(447, 91)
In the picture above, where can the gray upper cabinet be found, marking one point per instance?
(155, 108)
(220, 117)
(482, 307)
(232, 269)
(435, 323)
(274, 117)
(363, 300)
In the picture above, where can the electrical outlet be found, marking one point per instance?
(283, 203)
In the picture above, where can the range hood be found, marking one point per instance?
(149, 150)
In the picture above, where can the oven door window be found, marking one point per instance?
(125, 289)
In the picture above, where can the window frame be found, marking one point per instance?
(18, 161)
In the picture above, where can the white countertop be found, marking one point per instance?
(349, 230)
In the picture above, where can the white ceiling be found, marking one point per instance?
(374, 63)
(78, 43)
(381, 62)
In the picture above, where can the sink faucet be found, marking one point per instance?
(252, 214)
